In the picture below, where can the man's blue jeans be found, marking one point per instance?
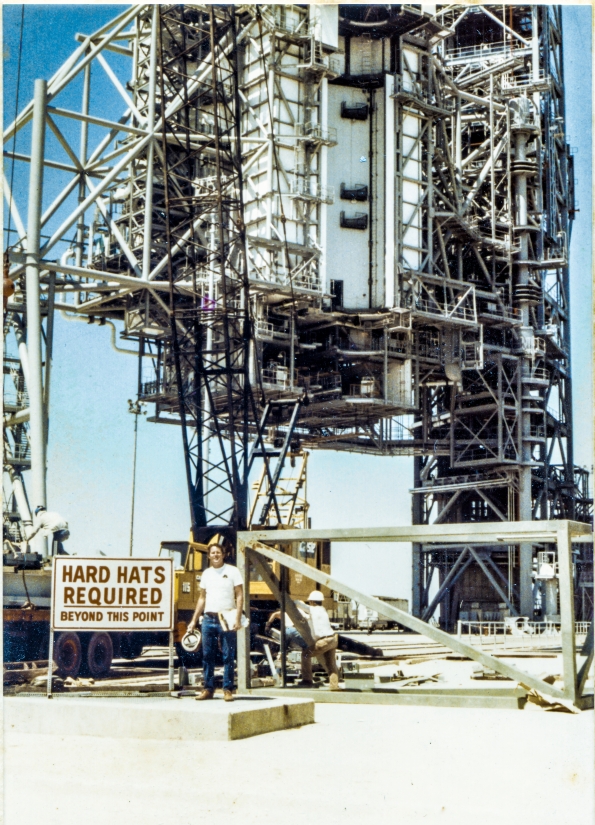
(292, 637)
(212, 632)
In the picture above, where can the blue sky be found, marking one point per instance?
(91, 432)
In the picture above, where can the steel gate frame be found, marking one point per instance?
(256, 547)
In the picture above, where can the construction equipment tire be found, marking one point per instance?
(68, 654)
(131, 645)
(100, 652)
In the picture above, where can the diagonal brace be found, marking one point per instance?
(407, 620)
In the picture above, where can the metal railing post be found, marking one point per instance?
(567, 609)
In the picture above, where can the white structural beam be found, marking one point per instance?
(21, 231)
(510, 532)
(20, 495)
(101, 279)
(35, 385)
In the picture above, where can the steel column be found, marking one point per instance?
(35, 386)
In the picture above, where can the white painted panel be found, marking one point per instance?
(398, 386)
(412, 172)
(378, 298)
(411, 258)
(411, 125)
(412, 169)
(347, 249)
(410, 68)
(409, 147)
(411, 192)
(408, 210)
(326, 22)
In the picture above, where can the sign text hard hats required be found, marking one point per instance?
(112, 594)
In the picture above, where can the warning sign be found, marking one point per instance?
(112, 594)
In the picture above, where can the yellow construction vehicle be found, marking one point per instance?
(190, 558)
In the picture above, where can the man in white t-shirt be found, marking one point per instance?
(325, 639)
(51, 525)
(221, 599)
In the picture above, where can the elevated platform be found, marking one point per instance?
(155, 718)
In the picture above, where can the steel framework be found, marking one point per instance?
(256, 548)
(213, 220)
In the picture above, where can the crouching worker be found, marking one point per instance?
(325, 639)
(220, 599)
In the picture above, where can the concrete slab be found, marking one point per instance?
(361, 764)
(150, 718)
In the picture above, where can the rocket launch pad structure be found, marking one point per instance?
(340, 227)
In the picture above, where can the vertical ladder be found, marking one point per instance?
(290, 492)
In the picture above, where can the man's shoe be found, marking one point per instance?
(206, 694)
(228, 695)
(305, 683)
(333, 681)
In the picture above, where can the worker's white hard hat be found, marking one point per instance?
(191, 641)
(316, 596)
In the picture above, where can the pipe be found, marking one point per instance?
(323, 176)
(114, 346)
(49, 347)
(19, 332)
(525, 512)
(20, 417)
(135, 410)
(35, 386)
(371, 196)
(70, 253)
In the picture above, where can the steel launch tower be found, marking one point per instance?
(334, 227)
